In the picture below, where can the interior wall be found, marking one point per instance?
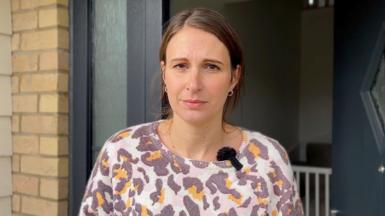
(315, 119)
(270, 33)
(178, 5)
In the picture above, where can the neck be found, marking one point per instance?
(198, 142)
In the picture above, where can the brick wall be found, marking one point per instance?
(40, 62)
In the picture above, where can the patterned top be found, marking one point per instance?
(136, 174)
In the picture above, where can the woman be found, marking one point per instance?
(170, 167)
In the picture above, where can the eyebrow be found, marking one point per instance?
(213, 61)
(178, 59)
(205, 60)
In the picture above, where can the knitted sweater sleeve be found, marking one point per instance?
(97, 199)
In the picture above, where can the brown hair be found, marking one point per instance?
(214, 23)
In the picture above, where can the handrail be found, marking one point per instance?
(312, 169)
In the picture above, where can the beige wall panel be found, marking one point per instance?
(5, 206)
(5, 136)
(5, 96)
(5, 17)
(5, 54)
(5, 169)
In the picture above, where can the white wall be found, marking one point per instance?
(316, 93)
(5, 107)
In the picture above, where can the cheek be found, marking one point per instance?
(173, 88)
(218, 89)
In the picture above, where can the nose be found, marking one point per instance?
(194, 81)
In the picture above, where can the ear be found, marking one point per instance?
(235, 76)
(163, 69)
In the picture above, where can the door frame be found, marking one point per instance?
(366, 95)
(144, 20)
(80, 102)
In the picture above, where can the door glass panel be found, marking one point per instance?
(378, 92)
(109, 70)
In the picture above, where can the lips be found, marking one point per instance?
(194, 103)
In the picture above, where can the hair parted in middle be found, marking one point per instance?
(212, 22)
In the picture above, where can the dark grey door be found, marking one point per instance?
(125, 67)
(113, 83)
(358, 118)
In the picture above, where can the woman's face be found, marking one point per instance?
(198, 75)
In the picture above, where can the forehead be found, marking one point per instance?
(194, 42)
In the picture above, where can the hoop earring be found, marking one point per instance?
(231, 93)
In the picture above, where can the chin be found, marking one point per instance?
(196, 117)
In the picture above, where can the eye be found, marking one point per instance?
(180, 66)
(211, 67)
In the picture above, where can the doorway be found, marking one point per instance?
(288, 49)
(288, 52)
(280, 86)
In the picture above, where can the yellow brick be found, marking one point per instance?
(24, 21)
(15, 84)
(29, 4)
(15, 123)
(44, 124)
(15, 202)
(53, 17)
(25, 62)
(51, 2)
(15, 41)
(42, 207)
(15, 5)
(45, 166)
(53, 103)
(63, 39)
(48, 17)
(63, 83)
(39, 82)
(44, 82)
(54, 188)
(15, 163)
(63, 17)
(25, 144)
(63, 124)
(32, 40)
(24, 103)
(64, 61)
(18, 213)
(56, 60)
(53, 145)
(25, 184)
(45, 39)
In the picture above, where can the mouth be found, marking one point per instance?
(194, 103)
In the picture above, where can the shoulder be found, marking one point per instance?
(133, 132)
(128, 137)
(264, 147)
(269, 156)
